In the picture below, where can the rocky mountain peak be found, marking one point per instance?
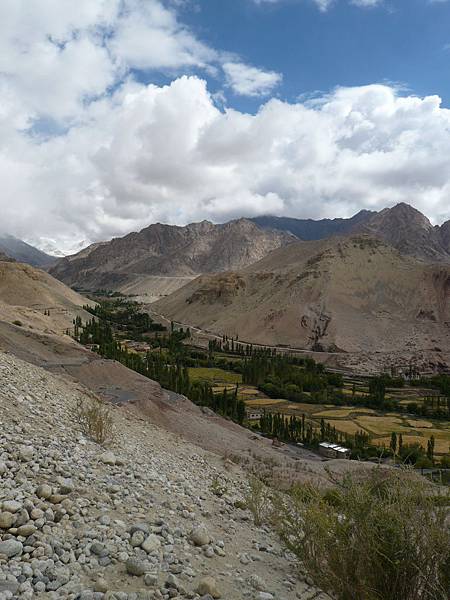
(409, 231)
(170, 251)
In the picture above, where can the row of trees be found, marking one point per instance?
(413, 453)
(233, 346)
(293, 429)
(166, 367)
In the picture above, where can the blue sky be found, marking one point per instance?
(118, 113)
(401, 41)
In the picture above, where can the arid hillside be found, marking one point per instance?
(33, 299)
(168, 250)
(350, 295)
(23, 252)
(40, 339)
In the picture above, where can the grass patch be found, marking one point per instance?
(344, 412)
(214, 375)
(265, 402)
(441, 446)
(420, 424)
(381, 425)
(345, 426)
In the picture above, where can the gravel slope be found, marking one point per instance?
(75, 518)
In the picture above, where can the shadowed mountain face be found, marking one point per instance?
(403, 227)
(310, 229)
(410, 232)
(168, 250)
(349, 294)
(23, 252)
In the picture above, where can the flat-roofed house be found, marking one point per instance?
(333, 450)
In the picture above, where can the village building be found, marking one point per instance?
(330, 450)
(253, 415)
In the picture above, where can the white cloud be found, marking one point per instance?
(250, 81)
(324, 5)
(152, 153)
(367, 3)
(55, 55)
(127, 154)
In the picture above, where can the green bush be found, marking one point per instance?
(383, 536)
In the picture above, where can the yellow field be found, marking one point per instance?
(249, 391)
(343, 412)
(351, 420)
(380, 425)
(345, 426)
(338, 412)
(262, 402)
(440, 446)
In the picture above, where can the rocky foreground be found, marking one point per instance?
(152, 516)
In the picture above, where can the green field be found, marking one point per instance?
(214, 376)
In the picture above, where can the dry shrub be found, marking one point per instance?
(258, 500)
(95, 420)
(381, 537)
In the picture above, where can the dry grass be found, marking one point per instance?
(419, 424)
(382, 537)
(260, 402)
(441, 446)
(381, 425)
(95, 420)
(350, 426)
(344, 412)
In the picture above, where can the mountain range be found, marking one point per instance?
(23, 252)
(376, 283)
(341, 294)
(402, 226)
(169, 251)
(132, 262)
(311, 229)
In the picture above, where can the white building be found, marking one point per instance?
(333, 450)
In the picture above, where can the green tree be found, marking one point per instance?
(394, 442)
(430, 448)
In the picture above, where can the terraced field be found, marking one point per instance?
(379, 426)
(351, 420)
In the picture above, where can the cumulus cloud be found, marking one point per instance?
(150, 153)
(250, 81)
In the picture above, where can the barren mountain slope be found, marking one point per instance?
(168, 250)
(40, 340)
(408, 230)
(445, 235)
(350, 294)
(23, 252)
(26, 293)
